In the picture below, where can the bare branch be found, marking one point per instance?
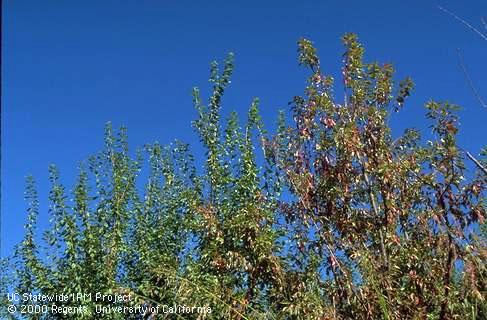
(484, 23)
(468, 25)
(469, 80)
(479, 165)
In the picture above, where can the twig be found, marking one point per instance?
(469, 80)
(468, 25)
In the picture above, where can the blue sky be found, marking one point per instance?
(71, 66)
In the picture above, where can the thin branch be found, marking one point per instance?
(469, 80)
(479, 165)
(468, 25)
(376, 209)
(484, 23)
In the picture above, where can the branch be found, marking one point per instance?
(469, 80)
(376, 209)
(468, 25)
(481, 167)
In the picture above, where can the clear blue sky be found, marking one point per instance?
(70, 66)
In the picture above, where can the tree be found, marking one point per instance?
(384, 214)
(329, 218)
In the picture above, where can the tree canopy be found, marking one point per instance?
(330, 217)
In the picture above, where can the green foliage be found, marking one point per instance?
(339, 221)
